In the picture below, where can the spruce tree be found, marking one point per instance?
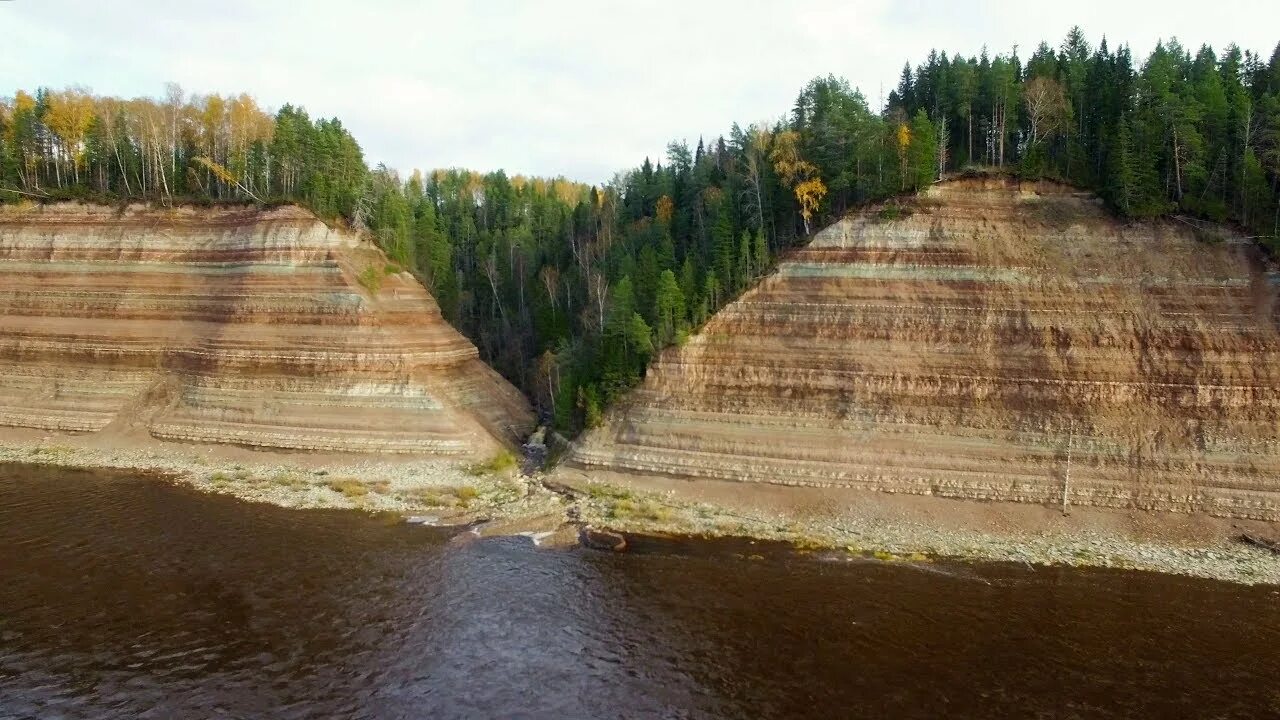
(669, 309)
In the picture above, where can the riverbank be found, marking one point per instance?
(891, 528)
(431, 489)
(898, 528)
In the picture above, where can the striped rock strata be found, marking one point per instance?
(1003, 341)
(233, 326)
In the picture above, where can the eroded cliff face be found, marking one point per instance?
(233, 326)
(1004, 341)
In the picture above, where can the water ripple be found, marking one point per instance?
(128, 597)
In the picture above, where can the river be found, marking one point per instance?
(124, 596)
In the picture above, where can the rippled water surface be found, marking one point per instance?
(122, 596)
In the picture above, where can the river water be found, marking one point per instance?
(123, 596)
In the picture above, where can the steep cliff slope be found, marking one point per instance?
(260, 328)
(1002, 341)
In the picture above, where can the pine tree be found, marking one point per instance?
(922, 152)
(1121, 189)
(759, 253)
(689, 289)
(669, 309)
(722, 244)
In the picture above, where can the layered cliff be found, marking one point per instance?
(259, 328)
(989, 340)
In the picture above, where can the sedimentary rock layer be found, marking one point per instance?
(261, 328)
(1002, 341)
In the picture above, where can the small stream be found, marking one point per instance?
(123, 596)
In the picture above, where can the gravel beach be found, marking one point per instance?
(510, 502)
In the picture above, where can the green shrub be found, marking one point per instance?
(601, 491)
(430, 498)
(502, 461)
(628, 508)
(892, 211)
(288, 480)
(806, 543)
(443, 497)
(370, 279)
(349, 487)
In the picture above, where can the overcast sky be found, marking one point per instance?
(581, 89)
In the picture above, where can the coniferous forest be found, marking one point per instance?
(570, 290)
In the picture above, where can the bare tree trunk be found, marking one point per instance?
(164, 180)
(155, 149)
(490, 267)
(22, 171)
(598, 288)
(1244, 154)
(970, 158)
(1002, 132)
(1177, 162)
(944, 140)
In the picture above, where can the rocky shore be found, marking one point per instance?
(432, 490)
(500, 500)
(1089, 541)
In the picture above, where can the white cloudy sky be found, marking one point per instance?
(580, 89)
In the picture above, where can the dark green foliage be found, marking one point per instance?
(570, 290)
(1198, 134)
(669, 309)
(585, 287)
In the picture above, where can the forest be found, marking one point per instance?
(570, 290)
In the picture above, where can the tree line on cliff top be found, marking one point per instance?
(571, 290)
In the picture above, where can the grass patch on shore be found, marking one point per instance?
(288, 480)
(53, 452)
(807, 544)
(600, 491)
(443, 497)
(628, 509)
(621, 503)
(503, 461)
(429, 498)
(354, 489)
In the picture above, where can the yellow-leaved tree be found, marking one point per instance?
(904, 144)
(69, 114)
(798, 174)
(666, 209)
(810, 194)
